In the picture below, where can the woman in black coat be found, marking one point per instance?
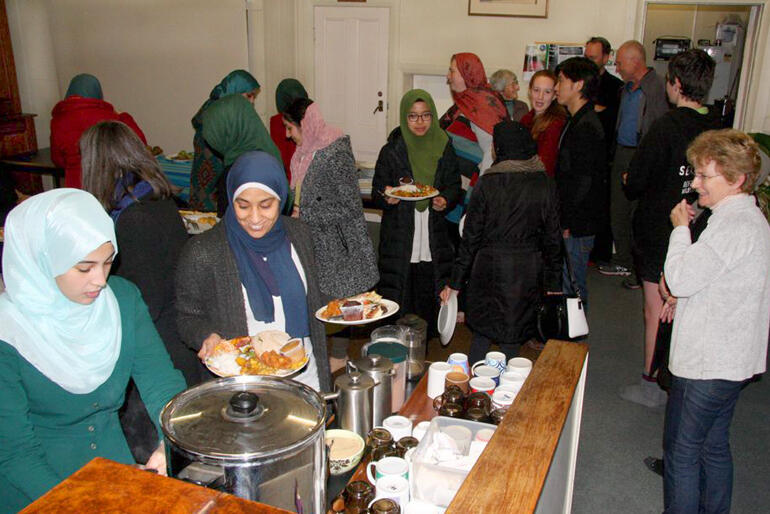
(120, 172)
(415, 254)
(510, 251)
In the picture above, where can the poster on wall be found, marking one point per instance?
(523, 8)
(546, 56)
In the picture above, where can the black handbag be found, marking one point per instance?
(562, 316)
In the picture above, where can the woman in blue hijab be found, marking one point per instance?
(70, 340)
(208, 167)
(254, 271)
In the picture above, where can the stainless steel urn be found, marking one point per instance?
(380, 370)
(260, 438)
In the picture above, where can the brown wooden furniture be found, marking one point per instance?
(106, 486)
(38, 162)
(511, 473)
(17, 129)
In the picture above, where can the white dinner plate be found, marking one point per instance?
(409, 198)
(447, 319)
(279, 373)
(391, 308)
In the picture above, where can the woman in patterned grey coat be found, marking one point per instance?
(327, 198)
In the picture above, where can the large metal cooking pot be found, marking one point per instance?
(260, 438)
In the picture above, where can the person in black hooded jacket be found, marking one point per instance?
(415, 253)
(510, 253)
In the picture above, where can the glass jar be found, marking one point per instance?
(415, 339)
(358, 495)
(378, 437)
(405, 443)
(385, 506)
(451, 410)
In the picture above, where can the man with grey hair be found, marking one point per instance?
(642, 101)
(506, 83)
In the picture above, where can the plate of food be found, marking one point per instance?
(272, 353)
(182, 156)
(357, 310)
(197, 222)
(412, 192)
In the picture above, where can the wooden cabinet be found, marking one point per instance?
(17, 129)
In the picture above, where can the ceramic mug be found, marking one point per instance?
(436, 377)
(480, 369)
(496, 360)
(482, 385)
(459, 362)
(512, 377)
(387, 466)
(398, 426)
(393, 487)
(521, 365)
(459, 379)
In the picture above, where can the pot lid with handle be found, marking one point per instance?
(372, 365)
(354, 381)
(243, 418)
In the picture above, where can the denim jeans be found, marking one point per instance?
(579, 249)
(698, 473)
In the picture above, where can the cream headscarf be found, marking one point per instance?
(76, 346)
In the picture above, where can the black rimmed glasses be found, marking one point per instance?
(426, 116)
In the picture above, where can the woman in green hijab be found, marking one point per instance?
(415, 255)
(232, 127)
(287, 91)
(208, 167)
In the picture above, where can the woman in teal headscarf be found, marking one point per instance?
(207, 167)
(70, 340)
(415, 256)
(231, 127)
(287, 91)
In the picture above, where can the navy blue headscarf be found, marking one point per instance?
(265, 265)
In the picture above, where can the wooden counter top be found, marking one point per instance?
(510, 474)
(106, 486)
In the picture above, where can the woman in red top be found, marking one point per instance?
(546, 119)
(287, 91)
(81, 108)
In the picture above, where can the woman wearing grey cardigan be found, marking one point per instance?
(254, 271)
(323, 173)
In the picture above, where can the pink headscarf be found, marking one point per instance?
(316, 134)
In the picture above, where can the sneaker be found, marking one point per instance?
(631, 282)
(614, 270)
(645, 393)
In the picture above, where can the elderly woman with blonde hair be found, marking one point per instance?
(720, 334)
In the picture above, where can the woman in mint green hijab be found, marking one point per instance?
(70, 340)
(415, 256)
(207, 167)
(232, 127)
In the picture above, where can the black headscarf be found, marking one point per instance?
(512, 142)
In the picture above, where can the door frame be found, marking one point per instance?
(305, 45)
(751, 107)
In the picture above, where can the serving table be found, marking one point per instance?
(106, 486)
(529, 464)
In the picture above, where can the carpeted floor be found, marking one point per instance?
(617, 435)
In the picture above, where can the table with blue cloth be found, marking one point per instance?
(178, 173)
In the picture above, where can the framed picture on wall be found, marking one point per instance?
(523, 8)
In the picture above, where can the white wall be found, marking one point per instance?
(158, 59)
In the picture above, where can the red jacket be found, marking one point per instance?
(70, 118)
(548, 142)
(285, 145)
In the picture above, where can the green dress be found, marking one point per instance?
(47, 433)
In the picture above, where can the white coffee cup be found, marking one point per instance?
(502, 399)
(521, 365)
(393, 487)
(513, 388)
(398, 426)
(387, 466)
(436, 378)
(512, 377)
(419, 430)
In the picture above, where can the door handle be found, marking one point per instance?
(379, 107)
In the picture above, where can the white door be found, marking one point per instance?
(351, 74)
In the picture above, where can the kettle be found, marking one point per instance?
(354, 394)
(380, 370)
